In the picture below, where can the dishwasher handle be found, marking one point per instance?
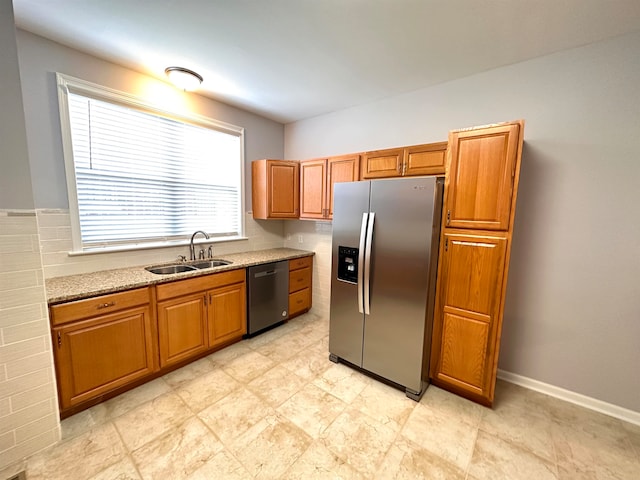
(265, 273)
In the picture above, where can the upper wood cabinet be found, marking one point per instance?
(481, 177)
(317, 178)
(275, 189)
(428, 159)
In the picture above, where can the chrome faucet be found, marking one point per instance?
(192, 249)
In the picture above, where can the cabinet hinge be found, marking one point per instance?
(446, 245)
(448, 216)
(59, 340)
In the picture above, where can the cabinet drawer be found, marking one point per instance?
(299, 301)
(299, 279)
(298, 263)
(90, 307)
(199, 284)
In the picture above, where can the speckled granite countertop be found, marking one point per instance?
(75, 287)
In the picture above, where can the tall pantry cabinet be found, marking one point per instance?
(479, 207)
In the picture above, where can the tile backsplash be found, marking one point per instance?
(55, 240)
(28, 400)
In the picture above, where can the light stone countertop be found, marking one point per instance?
(76, 287)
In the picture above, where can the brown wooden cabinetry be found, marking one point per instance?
(482, 176)
(472, 271)
(300, 280)
(275, 189)
(198, 314)
(317, 178)
(227, 313)
(182, 328)
(428, 159)
(101, 344)
(480, 196)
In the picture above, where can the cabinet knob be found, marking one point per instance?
(106, 305)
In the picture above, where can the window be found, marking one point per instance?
(141, 176)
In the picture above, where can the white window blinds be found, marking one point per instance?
(143, 177)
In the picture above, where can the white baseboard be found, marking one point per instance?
(572, 397)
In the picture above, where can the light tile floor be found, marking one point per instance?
(276, 407)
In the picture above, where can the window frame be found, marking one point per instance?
(67, 84)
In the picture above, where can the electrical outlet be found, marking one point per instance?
(300, 239)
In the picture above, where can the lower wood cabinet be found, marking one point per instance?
(96, 353)
(106, 344)
(300, 278)
(227, 313)
(182, 328)
(472, 273)
(198, 314)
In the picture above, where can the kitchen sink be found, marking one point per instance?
(169, 269)
(209, 263)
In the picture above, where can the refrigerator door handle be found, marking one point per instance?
(363, 234)
(367, 260)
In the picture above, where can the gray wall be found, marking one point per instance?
(572, 315)
(41, 58)
(15, 181)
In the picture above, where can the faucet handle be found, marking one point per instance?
(182, 258)
(201, 254)
(210, 251)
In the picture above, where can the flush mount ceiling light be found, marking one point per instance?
(183, 78)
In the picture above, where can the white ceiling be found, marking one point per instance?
(294, 59)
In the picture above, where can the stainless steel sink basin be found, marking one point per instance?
(169, 269)
(209, 263)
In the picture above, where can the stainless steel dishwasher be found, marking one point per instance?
(267, 295)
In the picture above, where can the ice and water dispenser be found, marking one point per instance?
(348, 264)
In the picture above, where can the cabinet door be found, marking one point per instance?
(101, 354)
(299, 302)
(468, 312)
(283, 189)
(340, 169)
(227, 313)
(382, 163)
(182, 328)
(425, 159)
(481, 177)
(313, 188)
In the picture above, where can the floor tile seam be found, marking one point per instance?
(467, 469)
(172, 427)
(522, 448)
(256, 392)
(225, 446)
(519, 446)
(127, 452)
(446, 415)
(595, 442)
(463, 470)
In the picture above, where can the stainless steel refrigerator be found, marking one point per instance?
(384, 261)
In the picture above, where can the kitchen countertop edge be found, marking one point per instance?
(87, 285)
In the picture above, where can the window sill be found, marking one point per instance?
(152, 246)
